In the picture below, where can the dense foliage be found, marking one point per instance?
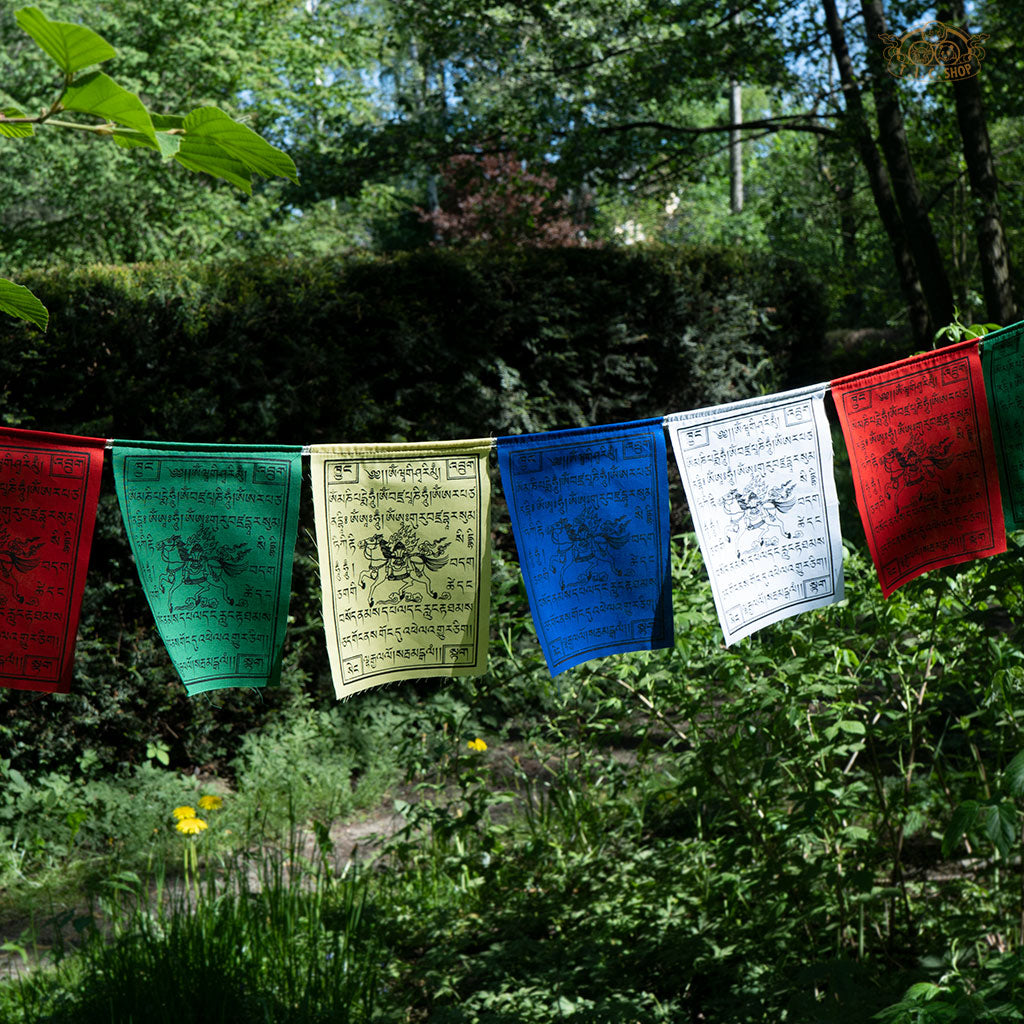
(88, 101)
(361, 348)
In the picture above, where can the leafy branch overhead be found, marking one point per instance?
(206, 139)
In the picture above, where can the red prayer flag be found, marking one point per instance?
(49, 488)
(924, 466)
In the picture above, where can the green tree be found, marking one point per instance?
(279, 67)
(90, 102)
(627, 103)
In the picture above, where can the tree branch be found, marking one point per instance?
(772, 124)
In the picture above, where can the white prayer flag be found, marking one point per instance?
(759, 482)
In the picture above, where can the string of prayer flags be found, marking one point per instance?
(589, 511)
(403, 535)
(923, 462)
(49, 489)
(760, 485)
(1002, 365)
(213, 529)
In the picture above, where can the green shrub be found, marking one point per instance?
(419, 345)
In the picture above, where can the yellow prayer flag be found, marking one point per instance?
(403, 532)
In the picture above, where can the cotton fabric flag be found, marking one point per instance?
(213, 529)
(1002, 364)
(49, 488)
(924, 467)
(589, 511)
(403, 534)
(759, 481)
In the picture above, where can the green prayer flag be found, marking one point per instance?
(212, 529)
(1002, 365)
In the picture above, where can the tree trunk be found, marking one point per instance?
(735, 148)
(992, 248)
(735, 141)
(893, 138)
(910, 284)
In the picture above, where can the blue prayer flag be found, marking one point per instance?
(589, 510)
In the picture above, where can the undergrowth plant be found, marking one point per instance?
(764, 823)
(819, 824)
(313, 763)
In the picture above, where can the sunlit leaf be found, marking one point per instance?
(218, 145)
(199, 154)
(99, 94)
(18, 301)
(73, 47)
(13, 947)
(167, 145)
(923, 991)
(15, 131)
(128, 138)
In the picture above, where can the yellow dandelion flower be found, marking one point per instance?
(191, 826)
(183, 812)
(211, 802)
(477, 744)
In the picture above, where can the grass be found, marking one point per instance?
(286, 942)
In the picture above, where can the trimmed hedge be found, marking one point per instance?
(418, 345)
(430, 344)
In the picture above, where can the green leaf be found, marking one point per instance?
(217, 145)
(202, 155)
(17, 300)
(923, 991)
(166, 122)
(73, 47)
(1014, 776)
(129, 138)
(1001, 826)
(15, 131)
(961, 823)
(159, 750)
(165, 144)
(97, 93)
(13, 947)
(980, 330)
(16, 780)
